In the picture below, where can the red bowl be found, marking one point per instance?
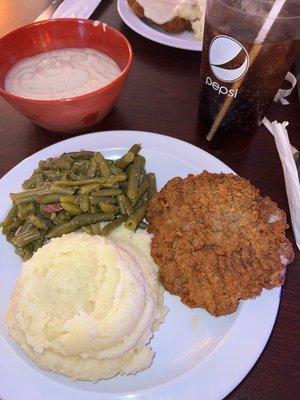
(72, 114)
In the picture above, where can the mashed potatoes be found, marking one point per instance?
(87, 306)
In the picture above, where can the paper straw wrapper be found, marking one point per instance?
(76, 9)
(283, 93)
(292, 184)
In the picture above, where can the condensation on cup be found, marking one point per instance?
(245, 58)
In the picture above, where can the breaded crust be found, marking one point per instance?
(177, 25)
(136, 8)
(216, 240)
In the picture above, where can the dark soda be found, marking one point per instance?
(228, 74)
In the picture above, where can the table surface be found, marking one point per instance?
(164, 83)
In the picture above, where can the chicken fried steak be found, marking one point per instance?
(216, 240)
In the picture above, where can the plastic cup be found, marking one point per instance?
(240, 75)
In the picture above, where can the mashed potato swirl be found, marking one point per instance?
(86, 306)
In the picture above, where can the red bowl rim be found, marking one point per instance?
(76, 98)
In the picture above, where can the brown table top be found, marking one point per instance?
(162, 96)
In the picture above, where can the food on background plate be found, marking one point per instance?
(174, 16)
(61, 74)
(217, 241)
(79, 190)
(87, 306)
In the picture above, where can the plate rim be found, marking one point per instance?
(138, 26)
(178, 386)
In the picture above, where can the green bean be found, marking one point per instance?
(84, 203)
(106, 192)
(87, 229)
(71, 208)
(89, 188)
(36, 179)
(9, 236)
(60, 217)
(143, 225)
(94, 200)
(94, 209)
(133, 181)
(6, 231)
(108, 228)
(46, 164)
(123, 187)
(92, 169)
(61, 189)
(24, 228)
(69, 198)
(37, 244)
(108, 208)
(115, 170)
(12, 227)
(81, 177)
(142, 201)
(108, 185)
(71, 176)
(24, 209)
(142, 190)
(134, 219)
(52, 216)
(62, 162)
(12, 213)
(152, 185)
(62, 229)
(141, 168)
(28, 195)
(125, 160)
(48, 198)
(124, 205)
(23, 200)
(102, 164)
(77, 222)
(143, 174)
(95, 229)
(111, 200)
(135, 149)
(141, 159)
(23, 239)
(37, 221)
(25, 252)
(101, 181)
(80, 155)
(53, 175)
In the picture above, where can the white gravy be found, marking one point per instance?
(61, 74)
(159, 11)
(162, 11)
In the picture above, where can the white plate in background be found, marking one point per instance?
(184, 40)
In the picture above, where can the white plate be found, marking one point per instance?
(197, 356)
(185, 40)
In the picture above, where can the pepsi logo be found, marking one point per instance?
(228, 59)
